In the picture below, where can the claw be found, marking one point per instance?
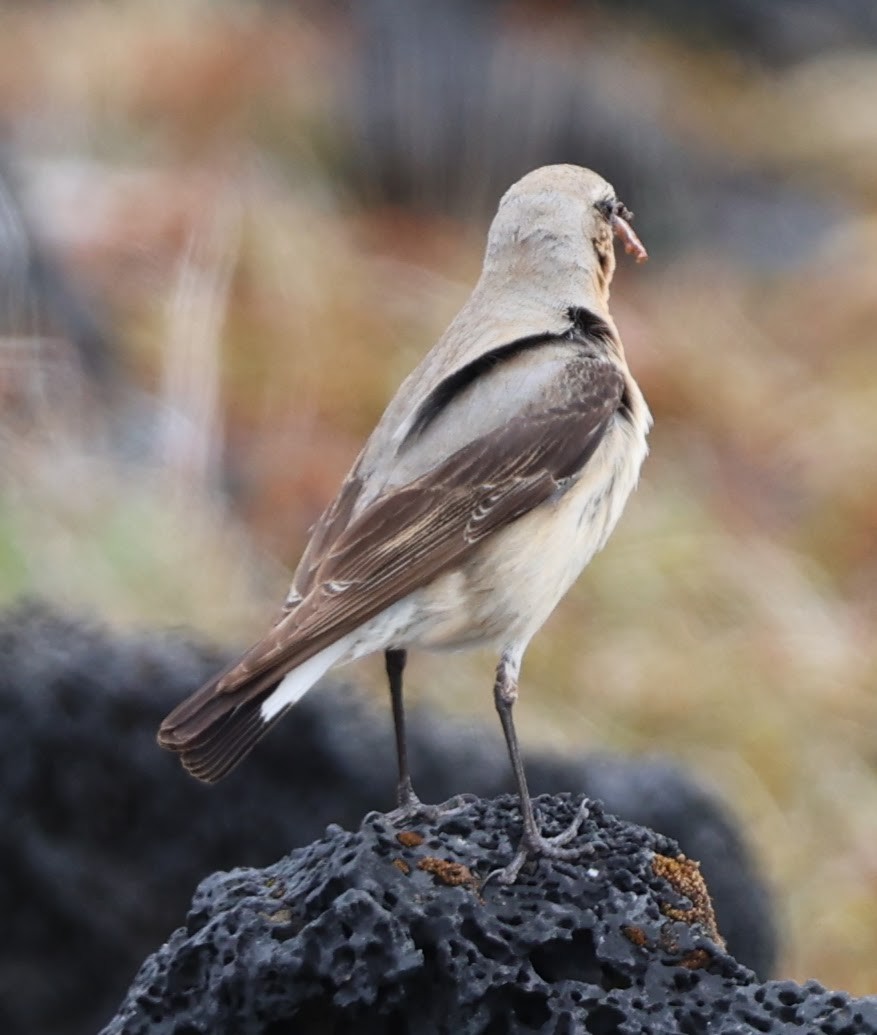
(410, 807)
(534, 844)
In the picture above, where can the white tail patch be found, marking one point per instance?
(295, 684)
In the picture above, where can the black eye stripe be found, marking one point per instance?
(611, 206)
(606, 206)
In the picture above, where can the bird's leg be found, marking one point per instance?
(408, 804)
(533, 842)
(406, 800)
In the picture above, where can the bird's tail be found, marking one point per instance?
(220, 723)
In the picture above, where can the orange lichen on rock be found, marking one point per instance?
(636, 935)
(450, 873)
(684, 876)
(697, 959)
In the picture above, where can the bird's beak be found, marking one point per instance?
(624, 231)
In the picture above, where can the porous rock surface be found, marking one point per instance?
(104, 837)
(389, 930)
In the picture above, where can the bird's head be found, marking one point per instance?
(561, 220)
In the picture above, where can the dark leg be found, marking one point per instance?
(406, 799)
(505, 693)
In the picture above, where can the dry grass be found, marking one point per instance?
(730, 621)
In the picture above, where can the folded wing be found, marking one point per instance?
(359, 564)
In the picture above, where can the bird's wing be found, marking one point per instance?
(409, 535)
(513, 379)
(331, 524)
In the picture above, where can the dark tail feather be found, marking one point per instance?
(215, 728)
(213, 731)
(229, 742)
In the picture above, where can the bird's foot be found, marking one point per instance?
(535, 844)
(409, 806)
(571, 832)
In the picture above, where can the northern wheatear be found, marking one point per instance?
(496, 473)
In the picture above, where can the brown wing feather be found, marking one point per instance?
(403, 540)
(331, 524)
(258, 672)
(411, 536)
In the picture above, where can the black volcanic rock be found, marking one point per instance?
(388, 931)
(103, 836)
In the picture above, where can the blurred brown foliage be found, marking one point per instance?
(256, 217)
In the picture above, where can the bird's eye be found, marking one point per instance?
(606, 206)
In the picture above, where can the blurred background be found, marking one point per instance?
(228, 230)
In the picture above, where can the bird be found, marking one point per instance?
(496, 472)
